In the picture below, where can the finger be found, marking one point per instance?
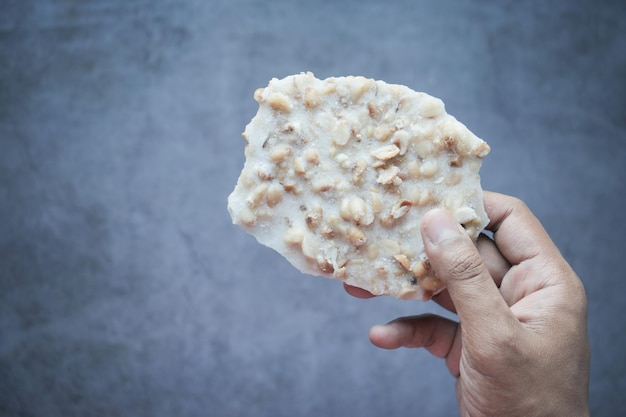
(517, 232)
(434, 333)
(497, 266)
(496, 263)
(522, 240)
(444, 300)
(456, 261)
(440, 336)
(357, 292)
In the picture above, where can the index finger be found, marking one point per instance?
(517, 232)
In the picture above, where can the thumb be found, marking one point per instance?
(456, 261)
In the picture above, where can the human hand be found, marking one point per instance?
(521, 347)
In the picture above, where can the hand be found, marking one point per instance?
(521, 347)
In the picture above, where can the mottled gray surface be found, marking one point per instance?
(126, 291)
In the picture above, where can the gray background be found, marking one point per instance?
(126, 291)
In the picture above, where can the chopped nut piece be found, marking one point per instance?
(453, 202)
(246, 181)
(341, 133)
(322, 184)
(291, 127)
(293, 236)
(386, 152)
(310, 246)
(324, 265)
(274, 195)
(248, 218)
(290, 188)
(311, 98)
(414, 169)
(328, 232)
(357, 86)
(429, 168)
(256, 196)
(377, 206)
(357, 208)
(421, 197)
(356, 236)
(481, 150)
(431, 107)
(314, 217)
(258, 95)
(400, 208)
(357, 171)
(389, 176)
(403, 261)
(264, 174)
(343, 160)
(382, 133)
(280, 102)
(421, 268)
(371, 251)
(299, 166)
(311, 156)
(279, 153)
(354, 209)
(456, 161)
(401, 139)
(431, 284)
(465, 215)
(423, 148)
(449, 142)
(386, 220)
(340, 273)
(372, 110)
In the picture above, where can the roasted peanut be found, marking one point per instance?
(341, 133)
(311, 98)
(311, 156)
(257, 195)
(400, 208)
(279, 153)
(403, 261)
(481, 150)
(356, 236)
(386, 152)
(310, 246)
(465, 215)
(389, 176)
(258, 95)
(294, 236)
(429, 168)
(401, 139)
(280, 102)
(357, 171)
(431, 107)
(274, 195)
(421, 268)
(432, 284)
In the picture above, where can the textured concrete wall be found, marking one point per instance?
(126, 291)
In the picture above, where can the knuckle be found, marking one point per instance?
(515, 202)
(465, 264)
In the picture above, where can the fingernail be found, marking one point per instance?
(441, 226)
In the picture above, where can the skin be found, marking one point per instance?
(521, 346)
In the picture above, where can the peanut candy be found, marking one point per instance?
(339, 173)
